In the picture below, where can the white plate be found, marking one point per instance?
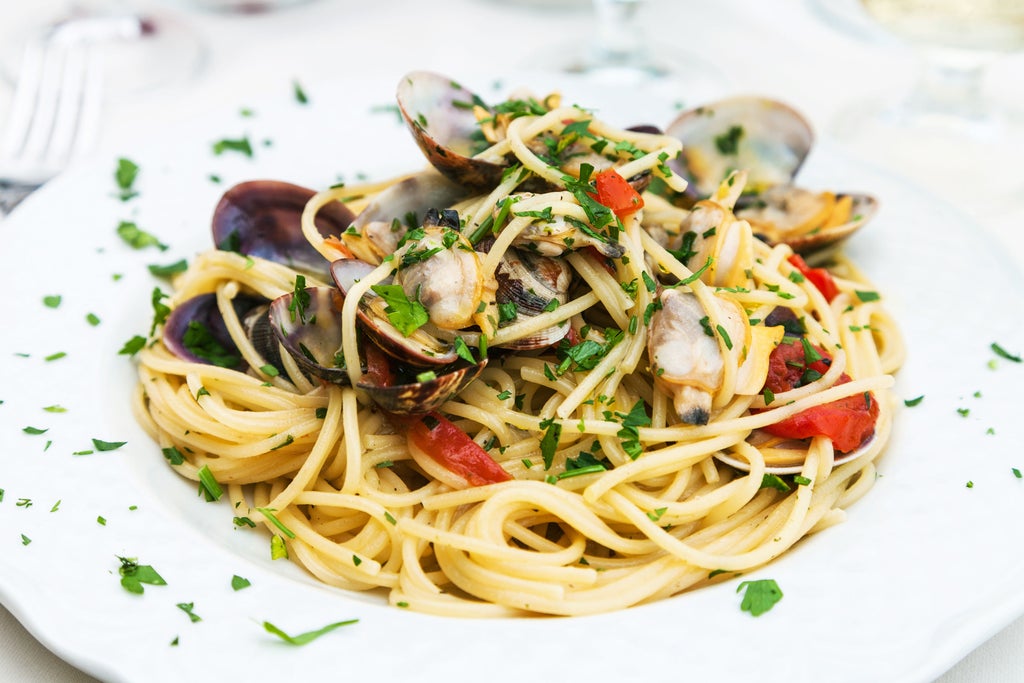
(924, 569)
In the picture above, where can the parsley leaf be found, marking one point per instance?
(125, 175)
(405, 314)
(133, 575)
(307, 637)
(759, 596)
(137, 238)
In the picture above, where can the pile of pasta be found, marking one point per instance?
(628, 504)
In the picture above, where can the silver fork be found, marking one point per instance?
(54, 114)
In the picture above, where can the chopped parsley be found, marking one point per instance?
(187, 607)
(238, 582)
(300, 93)
(1003, 353)
(137, 238)
(133, 575)
(125, 174)
(208, 485)
(309, 636)
(241, 145)
(52, 301)
(759, 596)
(405, 314)
(728, 142)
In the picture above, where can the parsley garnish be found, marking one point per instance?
(307, 637)
(728, 142)
(549, 443)
(208, 485)
(133, 575)
(200, 341)
(241, 145)
(759, 596)
(179, 266)
(137, 238)
(405, 314)
(186, 607)
(125, 176)
(300, 94)
(1003, 353)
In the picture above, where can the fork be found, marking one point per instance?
(54, 113)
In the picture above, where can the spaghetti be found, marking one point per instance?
(631, 475)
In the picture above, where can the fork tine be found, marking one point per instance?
(69, 106)
(91, 104)
(19, 118)
(47, 99)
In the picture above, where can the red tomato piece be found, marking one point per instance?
(616, 193)
(819, 277)
(450, 447)
(848, 422)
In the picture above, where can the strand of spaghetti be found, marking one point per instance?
(659, 462)
(523, 329)
(586, 387)
(351, 441)
(349, 338)
(330, 431)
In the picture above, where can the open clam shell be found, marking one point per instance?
(765, 137)
(410, 398)
(264, 218)
(195, 330)
(309, 329)
(419, 349)
(439, 113)
(809, 222)
(531, 281)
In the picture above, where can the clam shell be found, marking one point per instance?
(767, 138)
(203, 310)
(264, 218)
(312, 337)
(439, 114)
(423, 397)
(420, 349)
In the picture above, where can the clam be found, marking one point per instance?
(195, 330)
(379, 227)
(263, 218)
(307, 324)
(805, 220)
(530, 282)
(770, 141)
(426, 391)
(440, 115)
(766, 138)
(311, 333)
(419, 348)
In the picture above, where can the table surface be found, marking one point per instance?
(798, 51)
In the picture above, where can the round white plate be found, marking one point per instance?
(926, 567)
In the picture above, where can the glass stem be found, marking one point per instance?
(618, 36)
(950, 84)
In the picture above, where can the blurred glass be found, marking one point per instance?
(946, 123)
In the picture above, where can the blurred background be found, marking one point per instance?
(929, 89)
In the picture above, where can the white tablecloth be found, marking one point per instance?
(785, 49)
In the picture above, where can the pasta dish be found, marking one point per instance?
(566, 369)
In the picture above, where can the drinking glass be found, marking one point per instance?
(946, 121)
(617, 51)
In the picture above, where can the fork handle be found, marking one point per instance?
(11, 195)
